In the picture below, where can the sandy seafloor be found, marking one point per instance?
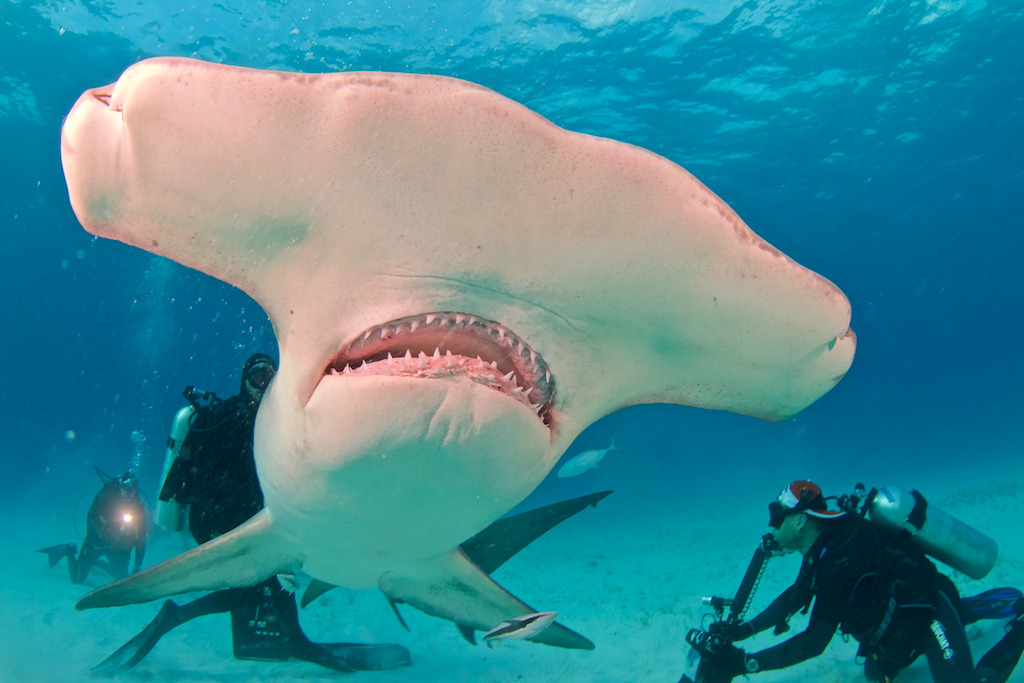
(630, 582)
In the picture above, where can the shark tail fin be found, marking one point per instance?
(244, 556)
(453, 588)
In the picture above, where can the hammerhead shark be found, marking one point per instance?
(458, 288)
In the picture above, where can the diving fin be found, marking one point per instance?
(132, 652)
(55, 553)
(370, 657)
(997, 665)
(265, 626)
(997, 603)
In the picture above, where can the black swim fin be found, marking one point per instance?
(56, 552)
(997, 603)
(132, 652)
(351, 657)
(370, 657)
(997, 665)
(171, 616)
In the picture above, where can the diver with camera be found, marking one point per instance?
(714, 644)
(866, 573)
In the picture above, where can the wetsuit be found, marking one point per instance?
(888, 595)
(115, 526)
(215, 472)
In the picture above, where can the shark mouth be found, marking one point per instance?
(435, 345)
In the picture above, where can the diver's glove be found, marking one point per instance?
(729, 664)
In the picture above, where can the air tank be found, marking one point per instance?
(939, 534)
(170, 515)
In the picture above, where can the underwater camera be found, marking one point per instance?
(713, 643)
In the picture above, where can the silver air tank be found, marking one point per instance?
(170, 515)
(942, 536)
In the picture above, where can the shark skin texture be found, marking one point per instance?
(417, 223)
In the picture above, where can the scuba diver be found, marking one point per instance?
(115, 526)
(872, 583)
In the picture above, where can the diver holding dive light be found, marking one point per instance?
(866, 571)
(115, 526)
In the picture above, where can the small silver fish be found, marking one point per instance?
(584, 461)
(520, 628)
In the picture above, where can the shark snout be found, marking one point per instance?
(90, 153)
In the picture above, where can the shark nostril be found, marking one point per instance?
(103, 97)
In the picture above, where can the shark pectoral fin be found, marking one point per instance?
(314, 590)
(453, 588)
(244, 556)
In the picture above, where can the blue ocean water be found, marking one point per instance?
(880, 144)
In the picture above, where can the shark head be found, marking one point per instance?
(458, 288)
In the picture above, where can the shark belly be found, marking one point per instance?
(365, 501)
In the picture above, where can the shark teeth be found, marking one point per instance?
(445, 344)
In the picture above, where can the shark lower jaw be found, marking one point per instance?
(437, 345)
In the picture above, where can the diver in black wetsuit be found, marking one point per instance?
(115, 526)
(215, 475)
(215, 471)
(879, 589)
